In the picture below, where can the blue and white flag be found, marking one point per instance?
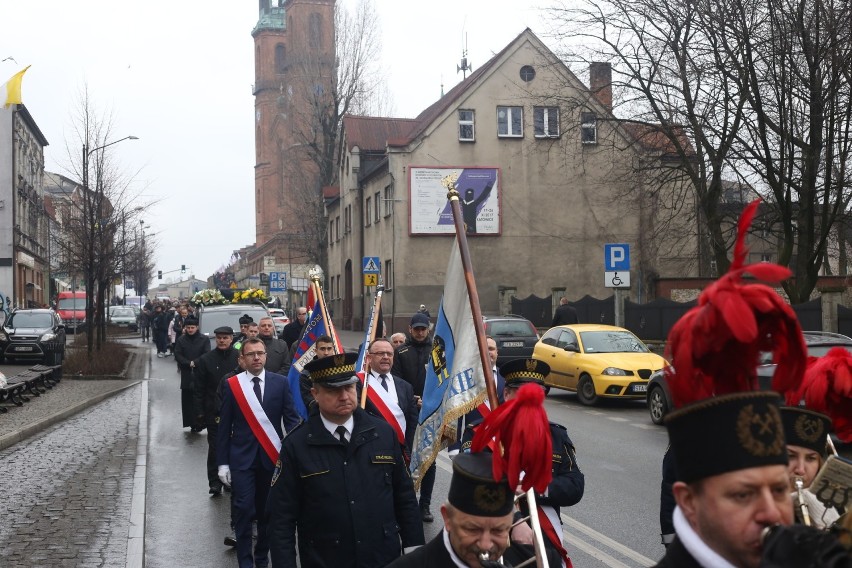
(455, 382)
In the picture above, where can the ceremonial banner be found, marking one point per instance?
(11, 89)
(318, 324)
(455, 383)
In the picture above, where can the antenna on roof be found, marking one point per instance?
(465, 64)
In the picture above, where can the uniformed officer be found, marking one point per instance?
(568, 483)
(341, 482)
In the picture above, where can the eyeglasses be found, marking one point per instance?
(383, 353)
(255, 354)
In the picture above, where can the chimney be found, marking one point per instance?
(600, 83)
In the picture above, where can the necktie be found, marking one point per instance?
(341, 433)
(384, 381)
(256, 381)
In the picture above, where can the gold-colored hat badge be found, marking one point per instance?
(339, 360)
(760, 433)
(532, 364)
(808, 428)
(489, 498)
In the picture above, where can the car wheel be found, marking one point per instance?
(657, 405)
(586, 391)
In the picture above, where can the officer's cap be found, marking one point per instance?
(333, 371)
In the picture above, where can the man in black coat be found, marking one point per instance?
(277, 352)
(409, 363)
(564, 314)
(209, 372)
(189, 347)
(160, 330)
(477, 518)
(341, 483)
(293, 330)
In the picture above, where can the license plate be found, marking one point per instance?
(513, 344)
(23, 348)
(640, 388)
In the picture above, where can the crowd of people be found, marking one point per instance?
(331, 487)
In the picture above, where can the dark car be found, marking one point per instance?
(211, 317)
(515, 336)
(33, 334)
(818, 342)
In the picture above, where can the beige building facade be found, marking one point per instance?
(550, 176)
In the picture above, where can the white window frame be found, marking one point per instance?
(464, 122)
(510, 111)
(548, 130)
(588, 128)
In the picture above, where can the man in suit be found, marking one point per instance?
(340, 482)
(477, 518)
(254, 405)
(396, 394)
(564, 314)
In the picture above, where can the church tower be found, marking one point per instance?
(294, 62)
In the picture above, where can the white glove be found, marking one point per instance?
(225, 474)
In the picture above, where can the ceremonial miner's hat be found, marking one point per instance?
(223, 330)
(727, 433)
(473, 489)
(334, 370)
(190, 320)
(805, 428)
(245, 318)
(519, 372)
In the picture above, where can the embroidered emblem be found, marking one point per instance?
(760, 434)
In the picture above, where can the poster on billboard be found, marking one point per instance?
(479, 196)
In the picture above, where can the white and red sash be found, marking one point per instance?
(549, 521)
(256, 418)
(387, 407)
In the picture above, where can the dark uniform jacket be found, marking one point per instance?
(351, 502)
(292, 332)
(277, 355)
(189, 348)
(209, 371)
(433, 555)
(409, 362)
(564, 315)
(677, 557)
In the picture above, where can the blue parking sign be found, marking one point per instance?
(277, 281)
(616, 257)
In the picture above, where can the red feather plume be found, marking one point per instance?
(521, 430)
(827, 388)
(715, 347)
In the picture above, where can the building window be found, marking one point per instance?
(388, 275)
(330, 232)
(588, 128)
(510, 122)
(338, 286)
(388, 201)
(280, 65)
(368, 219)
(347, 219)
(315, 30)
(378, 207)
(337, 227)
(466, 129)
(546, 122)
(527, 73)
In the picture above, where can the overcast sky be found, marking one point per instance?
(179, 74)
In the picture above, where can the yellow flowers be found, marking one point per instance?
(249, 295)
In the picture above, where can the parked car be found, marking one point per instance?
(211, 317)
(597, 361)
(515, 336)
(818, 343)
(279, 318)
(71, 307)
(123, 316)
(33, 334)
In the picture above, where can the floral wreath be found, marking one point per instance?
(209, 297)
(250, 295)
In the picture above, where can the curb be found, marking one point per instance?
(20, 435)
(136, 534)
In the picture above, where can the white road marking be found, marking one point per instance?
(647, 426)
(618, 419)
(606, 541)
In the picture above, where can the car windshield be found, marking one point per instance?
(510, 328)
(72, 304)
(611, 342)
(211, 319)
(124, 312)
(821, 350)
(23, 319)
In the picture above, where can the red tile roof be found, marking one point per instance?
(652, 138)
(373, 133)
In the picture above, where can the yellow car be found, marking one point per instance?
(597, 361)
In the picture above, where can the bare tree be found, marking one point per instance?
(745, 93)
(356, 89)
(94, 223)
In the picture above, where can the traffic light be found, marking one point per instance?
(159, 275)
(183, 268)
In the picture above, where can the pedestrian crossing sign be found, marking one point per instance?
(372, 265)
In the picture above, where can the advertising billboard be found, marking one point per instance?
(479, 196)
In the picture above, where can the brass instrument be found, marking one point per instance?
(801, 504)
(540, 557)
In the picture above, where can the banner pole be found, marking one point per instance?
(368, 340)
